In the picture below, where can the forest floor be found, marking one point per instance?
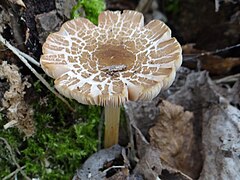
(190, 131)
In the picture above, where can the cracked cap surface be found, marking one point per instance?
(116, 61)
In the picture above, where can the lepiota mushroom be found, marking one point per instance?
(117, 61)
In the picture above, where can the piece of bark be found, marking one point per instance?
(47, 23)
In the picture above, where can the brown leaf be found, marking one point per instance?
(215, 64)
(173, 136)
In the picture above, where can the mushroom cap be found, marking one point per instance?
(116, 61)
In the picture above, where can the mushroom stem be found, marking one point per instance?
(112, 118)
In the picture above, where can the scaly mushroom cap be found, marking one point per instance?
(116, 61)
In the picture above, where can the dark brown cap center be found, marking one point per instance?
(111, 55)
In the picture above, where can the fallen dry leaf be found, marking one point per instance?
(215, 64)
(221, 142)
(216, 126)
(173, 136)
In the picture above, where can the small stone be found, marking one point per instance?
(47, 23)
(64, 8)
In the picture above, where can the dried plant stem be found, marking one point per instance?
(22, 57)
(112, 118)
(9, 176)
(194, 57)
(228, 79)
(14, 159)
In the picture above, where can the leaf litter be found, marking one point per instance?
(193, 134)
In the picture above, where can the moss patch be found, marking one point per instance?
(62, 142)
(92, 9)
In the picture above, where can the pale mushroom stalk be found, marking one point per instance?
(117, 61)
(112, 119)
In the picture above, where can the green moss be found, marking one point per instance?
(92, 9)
(63, 140)
(15, 141)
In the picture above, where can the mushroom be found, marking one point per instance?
(117, 61)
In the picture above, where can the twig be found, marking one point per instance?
(10, 124)
(228, 79)
(13, 173)
(29, 58)
(133, 123)
(211, 52)
(113, 167)
(14, 159)
(20, 56)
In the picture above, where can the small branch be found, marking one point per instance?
(13, 173)
(22, 58)
(29, 58)
(14, 159)
(113, 167)
(129, 111)
(228, 79)
(10, 124)
(211, 52)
